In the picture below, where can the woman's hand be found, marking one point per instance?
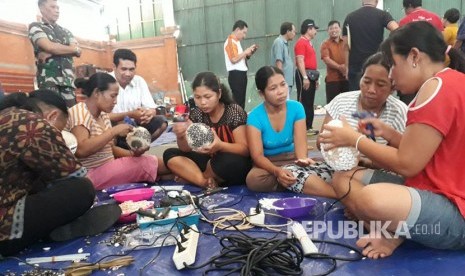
(180, 128)
(379, 127)
(285, 177)
(139, 151)
(334, 137)
(304, 162)
(121, 130)
(214, 147)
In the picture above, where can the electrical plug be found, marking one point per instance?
(256, 216)
(184, 254)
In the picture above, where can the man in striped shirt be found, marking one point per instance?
(236, 61)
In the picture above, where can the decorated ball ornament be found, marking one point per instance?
(139, 137)
(70, 140)
(341, 158)
(199, 135)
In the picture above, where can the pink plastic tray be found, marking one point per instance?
(134, 195)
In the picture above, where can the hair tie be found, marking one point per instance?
(448, 49)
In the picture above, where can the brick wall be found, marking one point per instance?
(156, 57)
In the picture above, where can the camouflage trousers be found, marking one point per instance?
(67, 92)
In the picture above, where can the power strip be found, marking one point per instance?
(256, 219)
(299, 233)
(186, 256)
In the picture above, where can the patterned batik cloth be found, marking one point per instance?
(320, 169)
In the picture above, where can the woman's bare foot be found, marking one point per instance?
(211, 183)
(348, 214)
(180, 179)
(377, 246)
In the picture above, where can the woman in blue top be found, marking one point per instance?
(277, 135)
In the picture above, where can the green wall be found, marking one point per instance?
(205, 24)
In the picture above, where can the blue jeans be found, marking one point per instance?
(435, 221)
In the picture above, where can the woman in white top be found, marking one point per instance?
(374, 96)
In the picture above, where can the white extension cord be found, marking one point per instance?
(187, 255)
(299, 233)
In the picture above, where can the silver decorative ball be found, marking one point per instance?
(199, 135)
(341, 158)
(139, 137)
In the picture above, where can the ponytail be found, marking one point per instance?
(19, 100)
(100, 81)
(31, 102)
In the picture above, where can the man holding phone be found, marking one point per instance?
(236, 61)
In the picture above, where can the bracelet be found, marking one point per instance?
(358, 140)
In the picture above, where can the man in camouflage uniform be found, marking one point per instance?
(54, 49)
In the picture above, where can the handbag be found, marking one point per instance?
(313, 75)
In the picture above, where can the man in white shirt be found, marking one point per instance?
(134, 98)
(235, 59)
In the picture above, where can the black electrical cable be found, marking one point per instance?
(234, 261)
(141, 270)
(256, 256)
(343, 196)
(333, 259)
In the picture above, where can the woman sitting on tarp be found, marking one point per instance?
(226, 160)
(108, 165)
(42, 188)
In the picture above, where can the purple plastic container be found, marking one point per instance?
(293, 207)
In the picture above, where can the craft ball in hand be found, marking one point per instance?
(139, 137)
(199, 135)
(341, 158)
(70, 140)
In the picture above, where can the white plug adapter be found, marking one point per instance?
(186, 257)
(256, 219)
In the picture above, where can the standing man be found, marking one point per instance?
(449, 21)
(414, 12)
(363, 32)
(460, 43)
(280, 54)
(54, 49)
(332, 53)
(306, 74)
(236, 61)
(134, 98)
(451, 27)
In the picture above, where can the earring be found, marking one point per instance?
(414, 65)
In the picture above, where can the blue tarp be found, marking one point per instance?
(408, 259)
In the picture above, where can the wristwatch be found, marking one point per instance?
(305, 77)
